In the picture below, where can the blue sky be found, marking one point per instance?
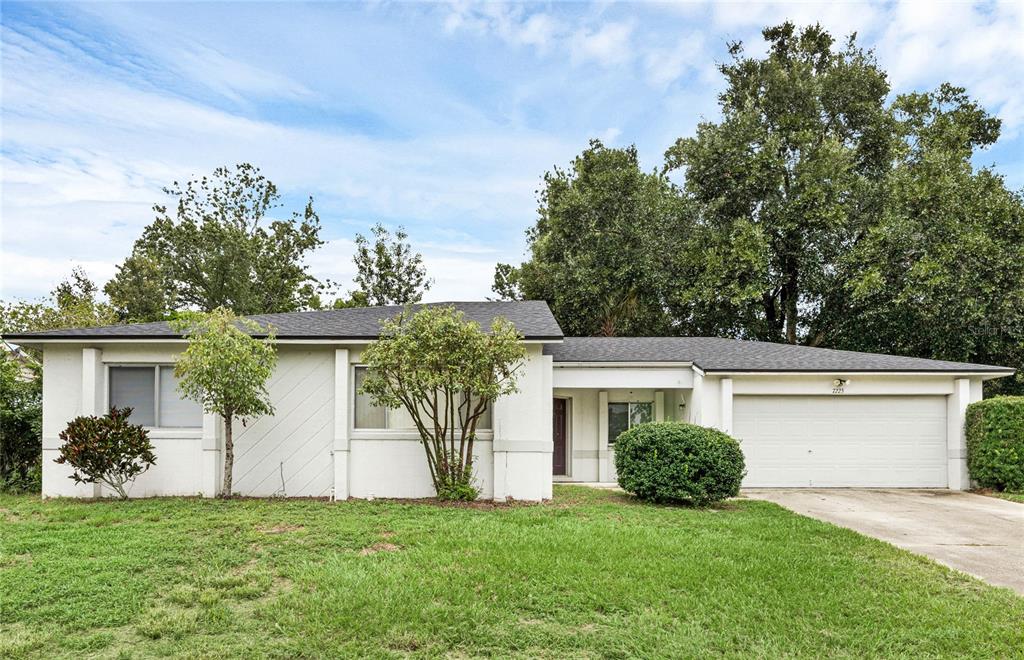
(440, 117)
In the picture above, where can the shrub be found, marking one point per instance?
(995, 442)
(21, 412)
(106, 449)
(673, 462)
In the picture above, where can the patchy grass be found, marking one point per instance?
(594, 573)
(1003, 495)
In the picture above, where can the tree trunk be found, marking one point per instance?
(791, 297)
(229, 457)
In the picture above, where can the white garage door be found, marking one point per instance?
(838, 441)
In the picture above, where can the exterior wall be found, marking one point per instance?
(311, 442)
(62, 402)
(522, 433)
(289, 453)
(309, 447)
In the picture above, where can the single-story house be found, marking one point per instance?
(804, 416)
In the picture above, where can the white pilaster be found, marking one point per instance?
(212, 466)
(603, 455)
(696, 414)
(93, 399)
(725, 391)
(340, 449)
(956, 441)
(659, 406)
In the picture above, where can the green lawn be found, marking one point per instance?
(593, 574)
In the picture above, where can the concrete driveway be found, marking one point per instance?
(983, 536)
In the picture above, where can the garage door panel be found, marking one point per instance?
(843, 441)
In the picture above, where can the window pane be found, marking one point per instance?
(640, 413)
(618, 420)
(368, 416)
(483, 423)
(485, 419)
(132, 387)
(399, 418)
(175, 410)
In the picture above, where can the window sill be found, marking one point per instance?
(172, 433)
(400, 434)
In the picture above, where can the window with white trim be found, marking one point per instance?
(622, 416)
(369, 416)
(152, 393)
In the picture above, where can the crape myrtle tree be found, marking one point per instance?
(225, 368)
(445, 371)
(219, 245)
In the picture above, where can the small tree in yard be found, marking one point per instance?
(225, 368)
(107, 450)
(445, 371)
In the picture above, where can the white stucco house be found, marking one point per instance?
(804, 416)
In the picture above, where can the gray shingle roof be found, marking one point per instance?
(715, 354)
(532, 319)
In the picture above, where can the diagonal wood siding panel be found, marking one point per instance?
(296, 441)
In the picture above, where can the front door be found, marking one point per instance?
(558, 462)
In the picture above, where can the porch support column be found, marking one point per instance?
(726, 407)
(340, 449)
(659, 406)
(603, 453)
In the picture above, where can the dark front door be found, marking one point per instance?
(559, 438)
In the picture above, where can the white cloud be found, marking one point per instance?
(664, 66)
(82, 168)
(607, 45)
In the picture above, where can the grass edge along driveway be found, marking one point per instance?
(593, 574)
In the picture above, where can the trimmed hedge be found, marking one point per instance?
(995, 442)
(674, 462)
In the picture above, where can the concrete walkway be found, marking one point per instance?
(982, 536)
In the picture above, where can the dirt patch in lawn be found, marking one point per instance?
(379, 547)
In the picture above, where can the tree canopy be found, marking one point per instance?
(219, 245)
(600, 245)
(388, 272)
(72, 304)
(813, 211)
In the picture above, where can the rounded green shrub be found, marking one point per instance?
(995, 442)
(674, 462)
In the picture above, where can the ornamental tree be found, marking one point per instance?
(225, 368)
(107, 450)
(445, 371)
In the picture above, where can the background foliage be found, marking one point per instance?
(815, 211)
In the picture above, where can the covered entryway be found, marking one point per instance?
(843, 441)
